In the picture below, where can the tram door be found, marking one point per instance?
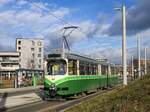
(72, 67)
(104, 69)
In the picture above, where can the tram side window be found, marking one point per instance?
(87, 68)
(104, 70)
(81, 68)
(72, 67)
(94, 69)
(90, 69)
(113, 70)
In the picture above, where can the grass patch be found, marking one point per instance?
(133, 98)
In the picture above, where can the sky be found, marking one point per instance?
(99, 32)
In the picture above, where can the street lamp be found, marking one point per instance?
(139, 56)
(132, 66)
(124, 59)
(145, 60)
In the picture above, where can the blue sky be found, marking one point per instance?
(96, 18)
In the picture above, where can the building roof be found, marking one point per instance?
(26, 38)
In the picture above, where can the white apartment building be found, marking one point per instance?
(31, 53)
(9, 62)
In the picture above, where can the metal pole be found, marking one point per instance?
(132, 64)
(1, 82)
(107, 77)
(139, 56)
(63, 44)
(63, 47)
(145, 60)
(124, 63)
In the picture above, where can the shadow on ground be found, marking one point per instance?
(3, 98)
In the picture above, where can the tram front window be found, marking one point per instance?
(56, 68)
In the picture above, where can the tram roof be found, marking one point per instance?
(77, 56)
(71, 55)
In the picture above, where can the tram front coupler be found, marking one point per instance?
(52, 90)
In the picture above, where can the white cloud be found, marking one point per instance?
(7, 17)
(101, 30)
(36, 21)
(4, 1)
(112, 54)
(33, 21)
(28, 21)
(145, 37)
(21, 2)
(61, 12)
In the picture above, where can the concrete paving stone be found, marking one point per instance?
(12, 90)
(18, 100)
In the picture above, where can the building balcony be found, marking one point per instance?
(9, 61)
(9, 68)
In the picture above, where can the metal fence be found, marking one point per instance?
(7, 83)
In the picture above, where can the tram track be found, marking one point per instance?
(55, 105)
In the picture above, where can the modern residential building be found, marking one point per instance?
(31, 53)
(20, 67)
(9, 62)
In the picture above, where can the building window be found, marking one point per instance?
(19, 42)
(39, 55)
(39, 66)
(32, 54)
(40, 61)
(33, 43)
(19, 48)
(32, 61)
(32, 49)
(5, 59)
(39, 43)
(40, 49)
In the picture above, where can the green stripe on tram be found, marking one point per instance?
(75, 84)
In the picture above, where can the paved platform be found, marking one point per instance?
(22, 89)
(13, 101)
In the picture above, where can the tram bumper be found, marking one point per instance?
(52, 90)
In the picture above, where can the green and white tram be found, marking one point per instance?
(69, 74)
